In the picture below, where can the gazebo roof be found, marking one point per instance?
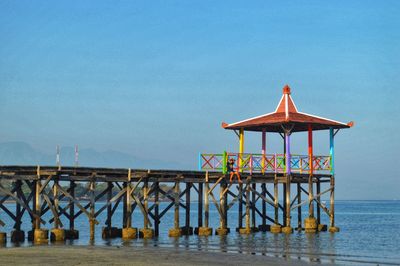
(286, 116)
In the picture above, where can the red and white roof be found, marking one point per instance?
(286, 115)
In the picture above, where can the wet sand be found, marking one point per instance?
(89, 255)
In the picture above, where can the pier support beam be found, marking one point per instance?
(71, 233)
(40, 236)
(92, 209)
(222, 230)
(176, 231)
(205, 230)
(240, 207)
(56, 234)
(187, 229)
(146, 232)
(288, 229)
(276, 227)
(263, 227)
(17, 235)
(199, 208)
(156, 209)
(310, 223)
(128, 232)
(247, 229)
(299, 223)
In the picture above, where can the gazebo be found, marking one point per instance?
(285, 120)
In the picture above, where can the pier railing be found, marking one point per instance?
(262, 163)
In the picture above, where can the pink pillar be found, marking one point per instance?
(264, 142)
(263, 150)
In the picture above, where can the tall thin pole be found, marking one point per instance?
(332, 183)
(58, 157)
(311, 167)
(76, 156)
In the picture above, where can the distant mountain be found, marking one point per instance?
(21, 153)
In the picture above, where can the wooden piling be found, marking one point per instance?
(247, 219)
(240, 206)
(72, 206)
(176, 231)
(206, 203)
(200, 206)
(276, 202)
(18, 187)
(287, 229)
(146, 202)
(264, 207)
(319, 200)
(109, 207)
(253, 207)
(285, 206)
(156, 209)
(56, 203)
(92, 209)
(187, 230)
(332, 227)
(299, 223)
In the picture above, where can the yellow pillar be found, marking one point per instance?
(241, 148)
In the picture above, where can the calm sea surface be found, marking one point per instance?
(369, 233)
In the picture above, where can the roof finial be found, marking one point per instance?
(286, 89)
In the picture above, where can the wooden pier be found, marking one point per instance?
(299, 179)
(135, 188)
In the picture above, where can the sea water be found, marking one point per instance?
(369, 234)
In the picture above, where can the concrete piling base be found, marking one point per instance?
(222, 231)
(41, 236)
(111, 232)
(71, 234)
(187, 231)
(3, 238)
(17, 236)
(129, 233)
(287, 230)
(146, 233)
(264, 228)
(174, 232)
(333, 229)
(276, 229)
(57, 234)
(245, 231)
(322, 228)
(310, 225)
(205, 231)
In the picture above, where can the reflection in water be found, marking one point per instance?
(353, 243)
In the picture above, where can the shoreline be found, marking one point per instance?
(116, 255)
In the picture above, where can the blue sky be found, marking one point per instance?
(157, 79)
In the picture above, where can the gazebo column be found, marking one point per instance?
(332, 227)
(241, 149)
(310, 223)
(287, 229)
(263, 149)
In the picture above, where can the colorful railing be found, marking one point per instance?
(259, 163)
